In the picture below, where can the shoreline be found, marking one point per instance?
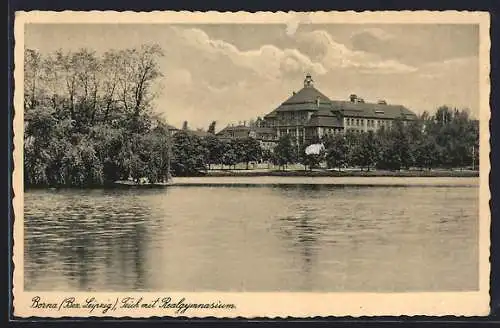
(249, 175)
(324, 173)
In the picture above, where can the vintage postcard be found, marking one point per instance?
(271, 164)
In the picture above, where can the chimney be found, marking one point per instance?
(294, 93)
(361, 100)
(353, 98)
(244, 123)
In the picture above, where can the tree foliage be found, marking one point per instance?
(285, 151)
(89, 118)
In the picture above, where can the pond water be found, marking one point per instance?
(269, 235)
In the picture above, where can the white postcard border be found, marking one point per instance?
(250, 305)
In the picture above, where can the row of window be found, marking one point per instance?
(293, 116)
(331, 131)
(355, 130)
(369, 122)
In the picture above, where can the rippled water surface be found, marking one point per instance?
(268, 237)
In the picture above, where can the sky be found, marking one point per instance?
(235, 72)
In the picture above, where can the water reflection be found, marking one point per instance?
(88, 241)
(304, 232)
(271, 238)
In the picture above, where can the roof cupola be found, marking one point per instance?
(308, 81)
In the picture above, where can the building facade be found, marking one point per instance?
(309, 114)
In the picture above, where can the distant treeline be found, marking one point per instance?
(89, 121)
(447, 139)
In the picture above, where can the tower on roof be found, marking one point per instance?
(308, 81)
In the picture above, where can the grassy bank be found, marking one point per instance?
(287, 173)
(329, 173)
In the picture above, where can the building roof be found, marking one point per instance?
(263, 130)
(272, 114)
(238, 128)
(371, 110)
(303, 106)
(307, 100)
(327, 121)
(244, 131)
(307, 95)
(230, 132)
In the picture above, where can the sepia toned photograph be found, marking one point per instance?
(251, 164)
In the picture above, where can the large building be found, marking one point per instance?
(308, 113)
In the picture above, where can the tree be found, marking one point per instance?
(90, 121)
(426, 153)
(389, 157)
(267, 155)
(211, 127)
(353, 142)
(239, 148)
(250, 150)
(336, 151)
(229, 156)
(284, 152)
(215, 149)
(33, 66)
(368, 150)
(189, 154)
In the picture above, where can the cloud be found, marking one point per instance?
(180, 76)
(376, 33)
(418, 44)
(212, 79)
(293, 24)
(464, 68)
(268, 61)
(228, 78)
(334, 55)
(374, 40)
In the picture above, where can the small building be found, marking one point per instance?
(265, 135)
